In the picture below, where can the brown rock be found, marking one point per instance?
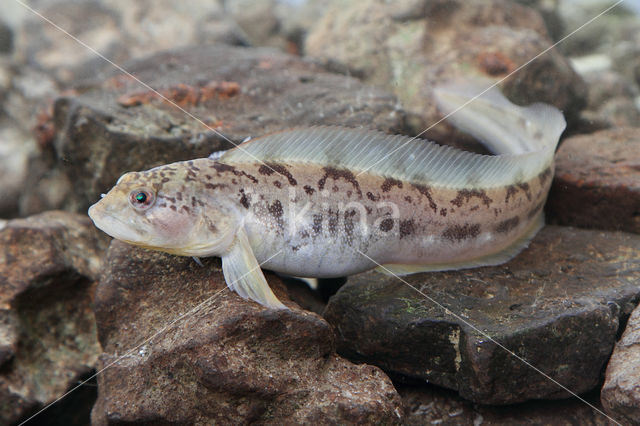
(621, 390)
(48, 266)
(597, 181)
(117, 125)
(181, 348)
(556, 305)
(409, 46)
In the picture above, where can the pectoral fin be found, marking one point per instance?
(244, 276)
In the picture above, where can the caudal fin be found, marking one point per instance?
(503, 127)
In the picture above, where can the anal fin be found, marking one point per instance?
(244, 276)
(489, 260)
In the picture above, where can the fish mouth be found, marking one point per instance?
(111, 224)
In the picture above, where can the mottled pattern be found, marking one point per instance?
(321, 218)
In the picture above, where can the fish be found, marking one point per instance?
(328, 201)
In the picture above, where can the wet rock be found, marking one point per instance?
(621, 390)
(597, 181)
(410, 46)
(224, 95)
(49, 264)
(181, 348)
(432, 405)
(556, 305)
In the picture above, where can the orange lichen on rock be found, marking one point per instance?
(495, 63)
(183, 94)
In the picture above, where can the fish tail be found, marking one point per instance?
(481, 110)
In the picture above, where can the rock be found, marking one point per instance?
(15, 149)
(621, 390)
(118, 30)
(557, 305)
(181, 348)
(49, 264)
(597, 181)
(408, 47)
(6, 38)
(117, 126)
(432, 405)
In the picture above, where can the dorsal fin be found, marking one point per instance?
(418, 160)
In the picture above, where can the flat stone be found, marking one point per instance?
(410, 46)
(116, 125)
(49, 264)
(181, 348)
(557, 305)
(597, 181)
(432, 405)
(621, 390)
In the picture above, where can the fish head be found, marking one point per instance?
(161, 210)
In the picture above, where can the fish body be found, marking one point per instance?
(328, 201)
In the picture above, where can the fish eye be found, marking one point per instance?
(141, 198)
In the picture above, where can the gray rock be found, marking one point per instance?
(49, 264)
(621, 390)
(182, 348)
(410, 46)
(15, 149)
(556, 305)
(114, 126)
(597, 181)
(117, 29)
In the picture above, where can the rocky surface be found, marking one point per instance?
(49, 264)
(200, 354)
(557, 305)
(410, 46)
(621, 390)
(223, 94)
(432, 405)
(118, 30)
(597, 181)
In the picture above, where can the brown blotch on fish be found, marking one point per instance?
(336, 174)
(309, 190)
(507, 225)
(373, 197)
(245, 199)
(277, 184)
(389, 183)
(280, 169)
(265, 170)
(426, 192)
(408, 199)
(317, 224)
(276, 209)
(214, 185)
(334, 218)
(511, 192)
(186, 209)
(173, 207)
(443, 212)
(465, 195)
(525, 187)
(406, 228)
(459, 233)
(386, 225)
